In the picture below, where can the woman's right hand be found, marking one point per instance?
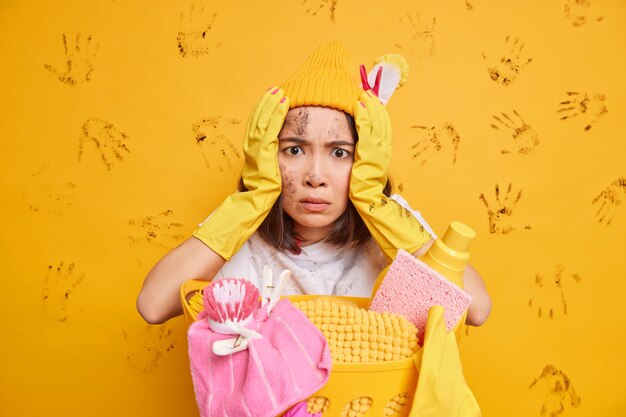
(240, 215)
(260, 146)
(231, 224)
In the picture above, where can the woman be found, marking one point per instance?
(314, 198)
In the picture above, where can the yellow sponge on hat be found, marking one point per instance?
(324, 79)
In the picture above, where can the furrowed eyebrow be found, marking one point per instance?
(331, 144)
(299, 141)
(340, 143)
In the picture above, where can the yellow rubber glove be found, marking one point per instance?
(240, 215)
(441, 388)
(391, 225)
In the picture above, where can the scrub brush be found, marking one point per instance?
(229, 305)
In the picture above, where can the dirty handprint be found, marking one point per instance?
(500, 213)
(419, 38)
(550, 293)
(314, 9)
(148, 349)
(577, 12)
(589, 107)
(609, 199)
(525, 139)
(157, 229)
(219, 152)
(79, 61)
(59, 284)
(49, 197)
(434, 139)
(108, 140)
(195, 39)
(560, 391)
(511, 62)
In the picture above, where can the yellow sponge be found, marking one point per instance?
(357, 335)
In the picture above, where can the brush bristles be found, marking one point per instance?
(231, 299)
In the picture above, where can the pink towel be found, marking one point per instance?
(291, 362)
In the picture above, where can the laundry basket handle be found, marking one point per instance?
(187, 288)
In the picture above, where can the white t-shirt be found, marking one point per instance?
(321, 268)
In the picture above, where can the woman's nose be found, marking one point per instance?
(314, 180)
(315, 175)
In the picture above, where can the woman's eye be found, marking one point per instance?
(294, 150)
(340, 153)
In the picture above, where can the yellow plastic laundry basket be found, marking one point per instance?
(371, 387)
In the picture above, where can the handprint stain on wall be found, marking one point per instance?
(313, 7)
(510, 64)
(59, 284)
(195, 39)
(609, 199)
(41, 196)
(433, 139)
(577, 12)
(79, 60)
(155, 342)
(469, 5)
(525, 139)
(419, 38)
(109, 141)
(499, 214)
(559, 391)
(589, 107)
(210, 137)
(551, 292)
(157, 229)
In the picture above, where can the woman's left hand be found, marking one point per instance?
(392, 226)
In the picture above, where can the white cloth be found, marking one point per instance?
(320, 268)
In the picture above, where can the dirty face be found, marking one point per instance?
(316, 151)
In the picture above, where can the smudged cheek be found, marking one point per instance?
(288, 178)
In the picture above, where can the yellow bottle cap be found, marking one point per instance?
(453, 248)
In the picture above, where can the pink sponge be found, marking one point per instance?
(411, 288)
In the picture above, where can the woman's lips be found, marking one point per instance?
(314, 205)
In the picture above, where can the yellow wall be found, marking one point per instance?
(82, 225)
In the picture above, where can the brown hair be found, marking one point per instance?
(348, 231)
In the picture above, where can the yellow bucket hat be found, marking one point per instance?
(325, 79)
